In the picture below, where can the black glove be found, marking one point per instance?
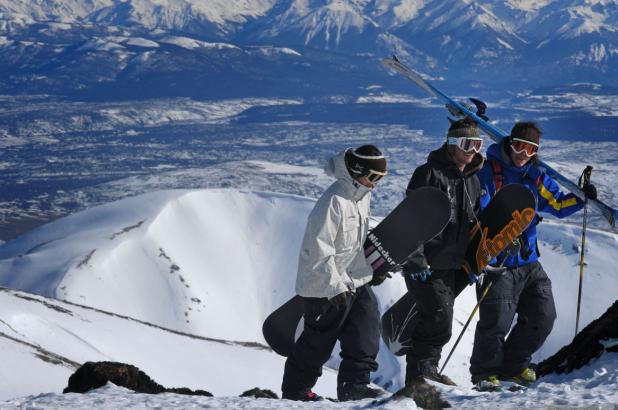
(340, 299)
(378, 279)
(590, 191)
(473, 278)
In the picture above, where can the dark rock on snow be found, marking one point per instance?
(92, 375)
(260, 394)
(424, 395)
(586, 346)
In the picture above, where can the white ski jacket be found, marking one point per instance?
(332, 258)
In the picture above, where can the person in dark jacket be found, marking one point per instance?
(524, 288)
(433, 274)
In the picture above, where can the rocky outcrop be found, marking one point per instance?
(597, 338)
(92, 375)
(260, 394)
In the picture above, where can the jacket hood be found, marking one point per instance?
(441, 158)
(335, 167)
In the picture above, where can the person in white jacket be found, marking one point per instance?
(334, 280)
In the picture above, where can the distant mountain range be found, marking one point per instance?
(232, 47)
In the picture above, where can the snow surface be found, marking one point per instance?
(141, 42)
(190, 43)
(165, 258)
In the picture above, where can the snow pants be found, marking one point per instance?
(525, 290)
(434, 300)
(357, 330)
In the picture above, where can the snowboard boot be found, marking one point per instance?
(429, 371)
(356, 391)
(424, 394)
(525, 378)
(490, 383)
(301, 395)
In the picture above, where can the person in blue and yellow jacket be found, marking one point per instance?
(524, 287)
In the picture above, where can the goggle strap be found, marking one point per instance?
(367, 156)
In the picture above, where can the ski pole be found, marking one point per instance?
(466, 325)
(511, 250)
(584, 180)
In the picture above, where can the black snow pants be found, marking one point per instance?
(525, 290)
(435, 299)
(358, 334)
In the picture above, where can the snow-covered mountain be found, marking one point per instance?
(212, 264)
(318, 23)
(458, 31)
(51, 46)
(216, 17)
(109, 99)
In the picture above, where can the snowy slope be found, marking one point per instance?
(166, 258)
(180, 259)
(43, 340)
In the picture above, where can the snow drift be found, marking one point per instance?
(43, 341)
(181, 259)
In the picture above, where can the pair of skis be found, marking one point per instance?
(458, 109)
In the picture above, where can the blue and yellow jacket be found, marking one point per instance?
(548, 196)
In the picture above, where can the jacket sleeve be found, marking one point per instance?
(318, 275)
(417, 261)
(420, 178)
(554, 201)
(477, 206)
(488, 188)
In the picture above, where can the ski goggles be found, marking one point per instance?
(524, 146)
(467, 145)
(374, 176)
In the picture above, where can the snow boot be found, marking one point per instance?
(525, 378)
(424, 395)
(356, 391)
(490, 383)
(440, 378)
(301, 395)
(429, 371)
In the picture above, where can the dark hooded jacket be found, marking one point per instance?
(447, 250)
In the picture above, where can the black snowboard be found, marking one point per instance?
(418, 218)
(508, 214)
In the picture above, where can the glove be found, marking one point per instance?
(340, 299)
(378, 279)
(422, 275)
(473, 278)
(590, 191)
